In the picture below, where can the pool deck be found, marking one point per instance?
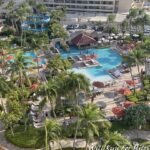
(108, 96)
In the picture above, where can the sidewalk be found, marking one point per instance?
(140, 134)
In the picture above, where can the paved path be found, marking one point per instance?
(134, 134)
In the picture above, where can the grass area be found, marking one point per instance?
(119, 126)
(32, 138)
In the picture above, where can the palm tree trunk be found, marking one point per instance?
(132, 78)
(21, 36)
(138, 68)
(46, 137)
(75, 136)
(86, 146)
(12, 131)
(54, 114)
(27, 78)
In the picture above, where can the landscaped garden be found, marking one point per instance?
(43, 101)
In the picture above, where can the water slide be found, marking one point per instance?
(35, 21)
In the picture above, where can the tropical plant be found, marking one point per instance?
(75, 83)
(90, 120)
(136, 56)
(136, 116)
(116, 140)
(18, 67)
(10, 117)
(58, 65)
(57, 31)
(52, 132)
(49, 91)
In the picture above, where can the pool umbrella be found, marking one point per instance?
(87, 57)
(127, 104)
(98, 84)
(93, 56)
(131, 83)
(37, 59)
(34, 86)
(125, 91)
(118, 111)
(9, 57)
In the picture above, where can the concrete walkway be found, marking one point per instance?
(140, 134)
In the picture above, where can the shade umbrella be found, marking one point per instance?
(37, 59)
(93, 56)
(126, 34)
(125, 91)
(119, 34)
(118, 111)
(131, 82)
(98, 84)
(99, 42)
(9, 57)
(127, 104)
(135, 35)
(34, 86)
(112, 34)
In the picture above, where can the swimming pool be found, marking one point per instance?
(32, 58)
(32, 55)
(107, 57)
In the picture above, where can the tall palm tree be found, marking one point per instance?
(5, 87)
(117, 140)
(52, 132)
(58, 65)
(75, 83)
(110, 19)
(137, 57)
(90, 121)
(23, 11)
(18, 67)
(49, 91)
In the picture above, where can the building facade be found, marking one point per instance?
(104, 6)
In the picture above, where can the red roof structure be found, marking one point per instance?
(82, 40)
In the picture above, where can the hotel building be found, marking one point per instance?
(104, 6)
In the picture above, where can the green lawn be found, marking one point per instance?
(119, 126)
(32, 138)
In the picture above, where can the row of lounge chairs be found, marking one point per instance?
(80, 58)
(87, 63)
(118, 71)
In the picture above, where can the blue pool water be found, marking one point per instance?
(32, 55)
(106, 57)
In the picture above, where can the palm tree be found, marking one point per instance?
(110, 19)
(90, 120)
(49, 91)
(5, 87)
(18, 67)
(137, 57)
(75, 83)
(117, 140)
(58, 65)
(41, 8)
(23, 11)
(52, 132)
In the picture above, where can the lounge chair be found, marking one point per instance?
(117, 74)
